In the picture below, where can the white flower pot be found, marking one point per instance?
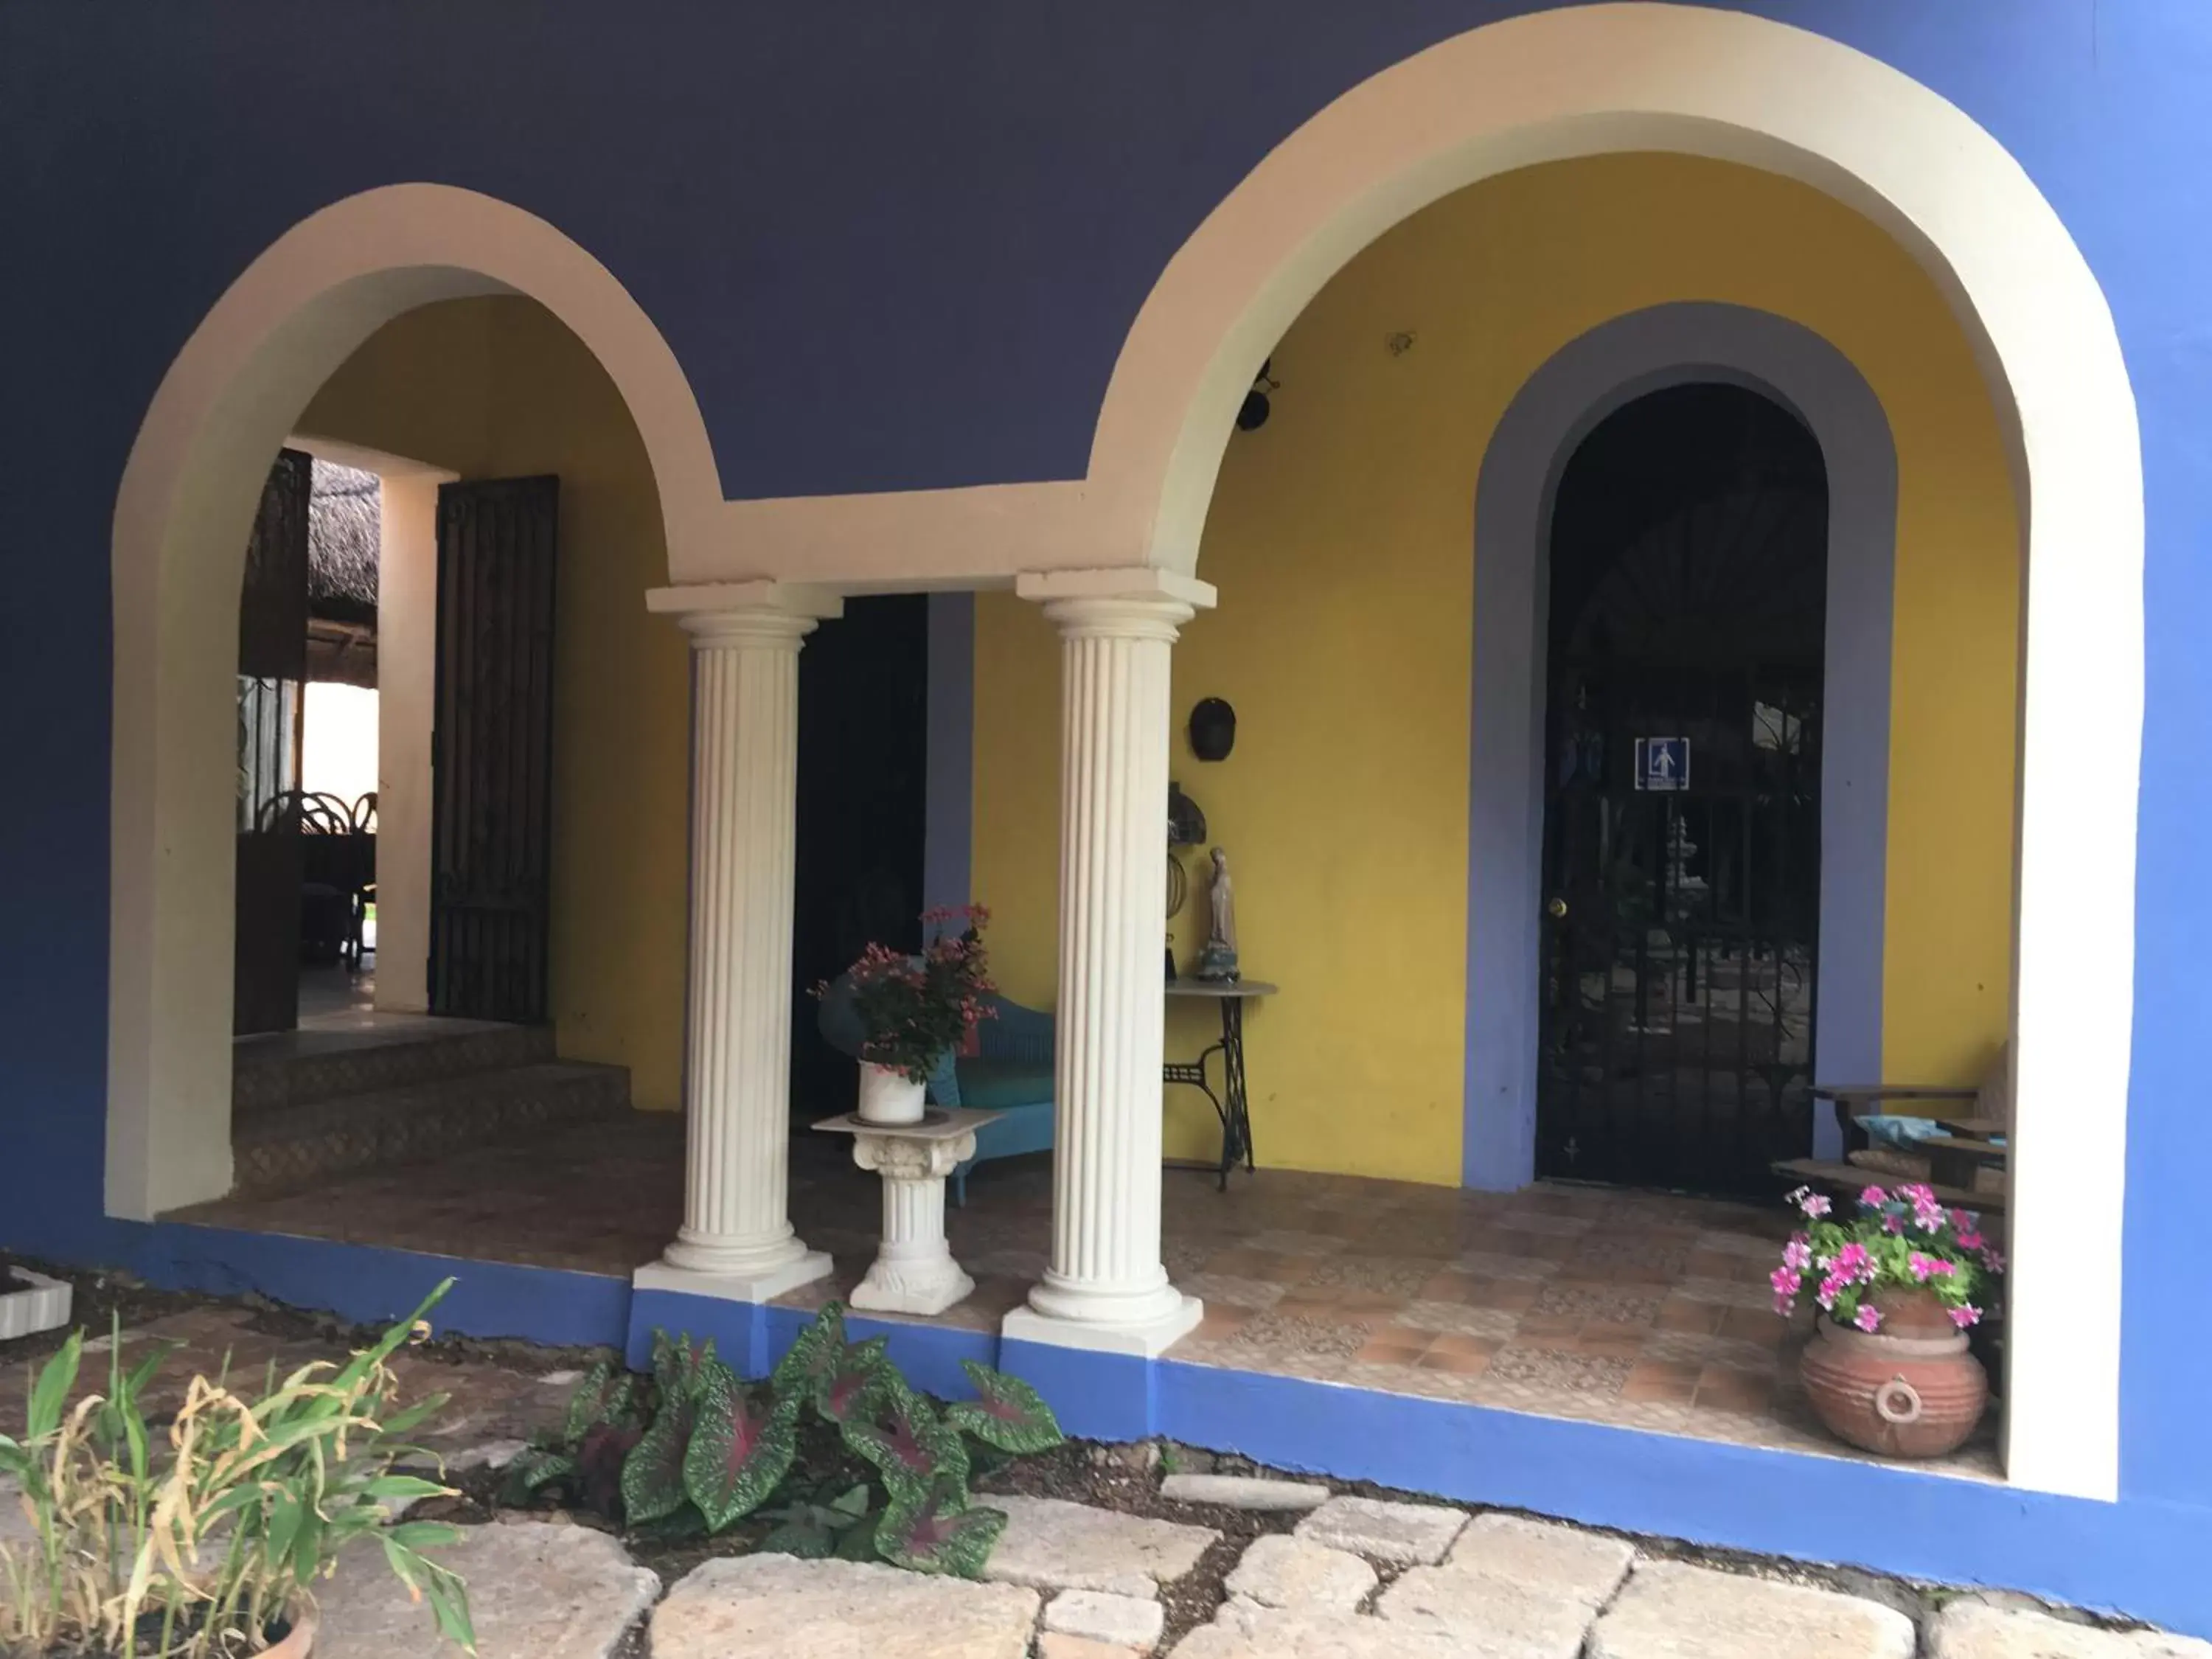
(30, 1302)
(889, 1096)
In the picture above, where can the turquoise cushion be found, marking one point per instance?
(992, 1086)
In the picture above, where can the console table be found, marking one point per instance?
(1230, 1105)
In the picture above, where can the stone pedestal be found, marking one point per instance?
(914, 1271)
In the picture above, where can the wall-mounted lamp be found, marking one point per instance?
(1253, 414)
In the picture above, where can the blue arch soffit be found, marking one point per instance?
(1587, 379)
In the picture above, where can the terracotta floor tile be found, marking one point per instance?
(1457, 1364)
(1394, 1345)
(1594, 1304)
(1729, 1389)
(1658, 1380)
(1679, 1313)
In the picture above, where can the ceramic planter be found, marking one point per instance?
(889, 1096)
(1909, 1390)
(298, 1642)
(30, 1302)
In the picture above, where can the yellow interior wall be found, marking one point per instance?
(1340, 537)
(497, 387)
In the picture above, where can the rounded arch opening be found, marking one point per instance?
(1581, 80)
(183, 515)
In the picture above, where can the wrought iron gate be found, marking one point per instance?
(492, 750)
(1682, 798)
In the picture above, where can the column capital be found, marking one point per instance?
(1137, 602)
(739, 613)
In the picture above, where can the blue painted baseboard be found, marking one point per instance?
(2136, 1557)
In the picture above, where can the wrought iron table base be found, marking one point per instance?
(1230, 1104)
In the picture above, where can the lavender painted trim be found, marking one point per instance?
(1586, 380)
(949, 807)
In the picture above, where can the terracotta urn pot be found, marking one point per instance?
(1909, 1390)
(298, 1642)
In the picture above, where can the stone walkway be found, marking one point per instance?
(1355, 1580)
(1351, 1577)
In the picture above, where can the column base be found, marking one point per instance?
(1146, 1337)
(912, 1287)
(763, 1283)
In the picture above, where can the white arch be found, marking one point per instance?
(1634, 76)
(182, 517)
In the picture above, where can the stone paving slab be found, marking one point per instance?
(1489, 1616)
(1396, 1534)
(1052, 1544)
(1672, 1611)
(1242, 1631)
(1058, 1644)
(536, 1591)
(1977, 1630)
(1119, 1621)
(1543, 1558)
(795, 1609)
(1299, 1576)
(1243, 1492)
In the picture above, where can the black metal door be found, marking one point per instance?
(492, 750)
(1682, 835)
(272, 662)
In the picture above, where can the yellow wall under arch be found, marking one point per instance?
(498, 387)
(1340, 538)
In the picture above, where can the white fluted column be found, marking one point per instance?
(736, 1239)
(1105, 1287)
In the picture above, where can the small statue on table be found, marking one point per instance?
(1217, 961)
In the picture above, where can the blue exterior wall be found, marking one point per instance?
(896, 246)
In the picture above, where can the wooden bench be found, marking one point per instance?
(1977, 1118)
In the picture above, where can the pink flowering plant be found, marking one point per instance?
(916, 1010)
(1900, 1239)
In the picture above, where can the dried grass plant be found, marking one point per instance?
(203, 1545)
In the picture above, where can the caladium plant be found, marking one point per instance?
(1007, 1414)
(910, 1445)
(935, 1530)
(741, 1448)
(699, 1450)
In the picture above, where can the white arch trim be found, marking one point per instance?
(1561, 403)
(182, 516)
(1586, 79)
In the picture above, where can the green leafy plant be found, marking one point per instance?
(705, 1449)
(203, 1545)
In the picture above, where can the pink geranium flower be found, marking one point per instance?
(1853, 1262)
(1892, 1222)
(1870, 1317)
(1921, 1266)
(1813, 1205)
(1966, 1314)
(1831, 1288)
(1797, 1252)
(1872, 1199)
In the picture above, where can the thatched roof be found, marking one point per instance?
(344, 510)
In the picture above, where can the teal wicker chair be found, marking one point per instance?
(1011, 1074)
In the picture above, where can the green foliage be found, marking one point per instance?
(706, 1451)
(199, 1545)
(935, 1530)
(741, 1449)
(1006, 1412)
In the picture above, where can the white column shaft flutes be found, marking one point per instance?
(1105, 1286)
(745, 769)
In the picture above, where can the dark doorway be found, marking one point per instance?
(863, 766)
(492, 750)
(1682, 811)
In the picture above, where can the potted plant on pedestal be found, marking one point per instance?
(1896, 1285)
(915, 1011)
